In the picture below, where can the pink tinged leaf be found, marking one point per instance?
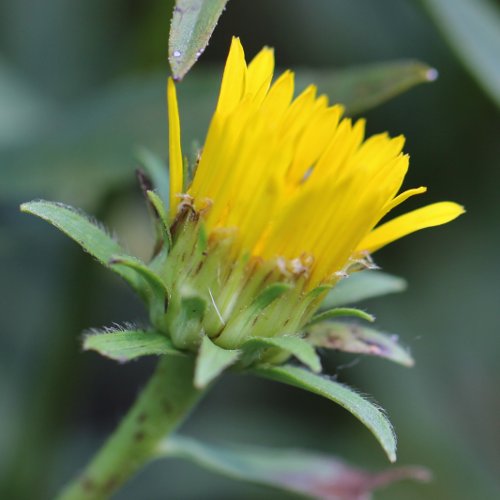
(299, 471)
(354, 338)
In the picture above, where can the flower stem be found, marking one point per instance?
(162, 405)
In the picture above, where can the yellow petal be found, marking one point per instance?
(234, 78)
(174, 148)
(402, 198)
(260, 74)
(279, 97)
(429, 216)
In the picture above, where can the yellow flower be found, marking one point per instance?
(297, 187)
(293, 177)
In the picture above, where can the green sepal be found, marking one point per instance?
(339, 312)
(162, 214)
(256, 347)
(184, 320)
(211, 361)
(202, 238)
(237, 329)
(368, 413)
(269, 295)
(125, 345)
(88, 235)
(163, 235)
(192, 25)
(318, 291)
(361, 286)
(157, 293)
(351, 337)
(290, 469)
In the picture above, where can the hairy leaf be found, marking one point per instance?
(157, 293)
(124, 345)
(92, 238)
(368, 413)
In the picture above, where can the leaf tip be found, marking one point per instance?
(24, 207)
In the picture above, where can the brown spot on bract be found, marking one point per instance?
(142, 417)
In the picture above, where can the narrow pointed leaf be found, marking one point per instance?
(339, 312)
(164, 243)
(86, 233)
(296, 346)
(294, 470)
(212, 360)
(362, 286)
(368, 413)
(472, 28)
(365, 87)
(157, 293)
(192, 25)
(140, 268)
(125, 345)
(350, 337)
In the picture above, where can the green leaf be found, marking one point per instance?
(157, 294)
(212, 360)
(87, 234)
(361, 286)
(294, 470)
(192, 25)
(339, 312)
(156, 169)
(472, 28)
(364, 87)
(368, 413)
(296, 346)
(125, 345)
(358, 339)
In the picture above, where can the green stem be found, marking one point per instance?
(162, 405)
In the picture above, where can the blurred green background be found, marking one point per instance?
(82, 84)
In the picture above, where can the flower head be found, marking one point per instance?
(286, 191)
